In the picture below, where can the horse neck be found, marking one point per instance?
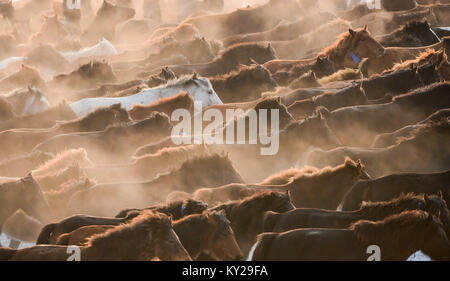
(8, 207)
(194, 243)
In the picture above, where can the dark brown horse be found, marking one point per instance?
(372, 211)
(151, 233)
(412, 34)
(246, 215)
(398, 237)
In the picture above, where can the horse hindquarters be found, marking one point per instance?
(6, 254)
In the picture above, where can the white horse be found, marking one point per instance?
(27, 101)
(199, 88)
(5, 63)
(103, 48)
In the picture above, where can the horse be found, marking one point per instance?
(24, 140)
(390, 139)
(114, 143)
(106, 199)
(176, 209)
(43, 119)
(151, 233)
(283, 31)
(423, 151)
(404, 110)
(199, 88)
(21, 165)
(246, 215)
(350, 96)
(398, 237)
(165, 105)
(61, 161)
(209, 232)
(260, 18)
(102, 48)
(27, 101)
(20, 226)
(142, 168)
(412, 34)
(370, 211)
(24, 194)
(105, 22)
(346, 52)
(245, 84)
(47, 59)
(87, 75)
(388, 187)
(52, 31)
(26, 75)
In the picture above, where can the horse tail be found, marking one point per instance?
(63, 239)
(44, 236)
(6, 253)
(262, 246)
(269, 221)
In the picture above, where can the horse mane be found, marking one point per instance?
(437, 128)
(380, 209)
(92, 116)
(287, 176)
(340, 46)
(71, 187)
(341, 75)
(171, 99)
(174, 152)
(61, 160)
(214, 160)
(421, 93)
(391, 232)
(137, 230)
(242, 73)
(348, 163)
(235, 49)
(416, 25)
(419, 60)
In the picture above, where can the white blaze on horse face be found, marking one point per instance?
(73, 4)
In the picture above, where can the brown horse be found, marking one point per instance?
(105, 21)
(26, 75)
(86, 76)
(283, 31)
(22, 141)
(107, 199)
(229, 60)
(388, 187)
(260, 18)
(246, 215)
(245, 84)
(143, 168)
(21, 165)
(347, 52)
(151, 233)
(207, 232)
(43, 119)
(23, 194)
(51, 31)
(176, 209)
(371, 211)
(358, 125)
(167, 105)
(424, 150)
(398, 237)
(412, 34)
(115, 143)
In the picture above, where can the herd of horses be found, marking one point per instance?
(88, 90)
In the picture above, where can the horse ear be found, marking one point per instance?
(194, 76)
(365, 27)
(287, 195)
(253, 61)
(441, 195)
(352, 32)
(427, 200)
(359, 164)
